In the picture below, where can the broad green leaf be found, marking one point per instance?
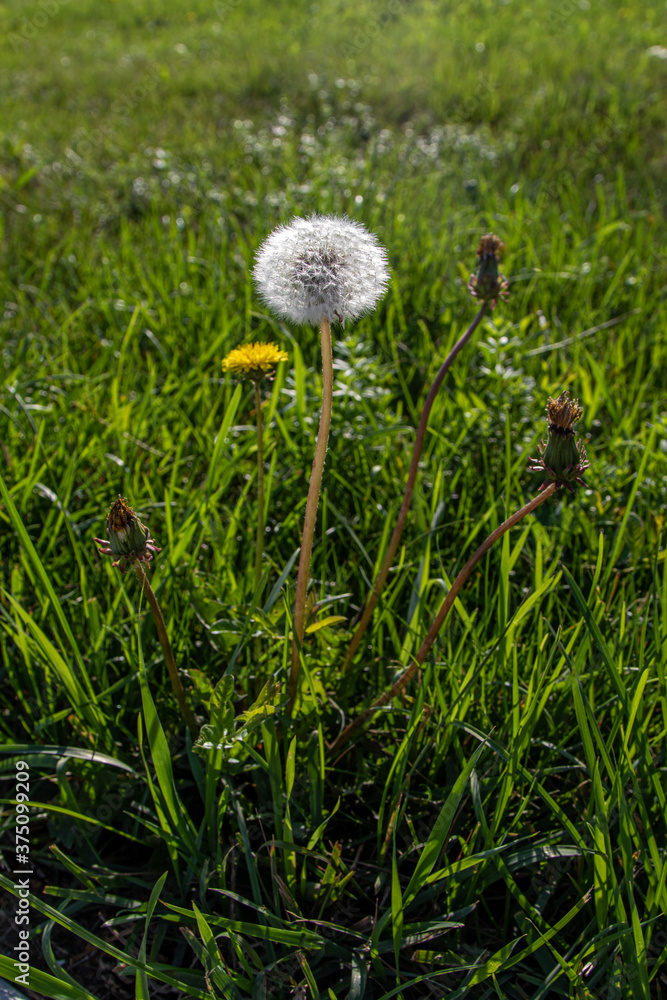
(331, 620)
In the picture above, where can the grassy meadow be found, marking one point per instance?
(499, 830)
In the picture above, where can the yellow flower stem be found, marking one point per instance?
(311, 511)
(445, 608)
(259, 541)
(372, 598)
(172, 670)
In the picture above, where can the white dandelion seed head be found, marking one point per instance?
(323, 267)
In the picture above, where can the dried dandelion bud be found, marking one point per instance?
(254, 361)
(129, 540)
(563, 459)
(321, 268)
(489, 284)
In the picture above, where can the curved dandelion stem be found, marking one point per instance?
(172, 670)
(372, 598)
(311, 511)
(439, 620)
(259, 540)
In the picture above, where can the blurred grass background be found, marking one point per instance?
(147, 151)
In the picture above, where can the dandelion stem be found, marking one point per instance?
(311, 511)
(259, 541)
(372, 598)
(172, 670)
(445, 608)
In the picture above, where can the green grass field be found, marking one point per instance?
(500, 830)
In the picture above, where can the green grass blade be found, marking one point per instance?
(31, 552)
(230, 413)
(142, 991)
(436, 839)
(44, 984)
(85, 935)
(161, 757)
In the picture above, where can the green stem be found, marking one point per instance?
(372, 598)
(259, 541)
(445, 608)
(172, 670)
(311, 511)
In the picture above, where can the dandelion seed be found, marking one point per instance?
(321, 268)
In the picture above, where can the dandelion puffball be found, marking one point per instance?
(325, 267)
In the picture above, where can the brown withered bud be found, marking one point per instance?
(489, 284)
(563, 458)
(129, 540)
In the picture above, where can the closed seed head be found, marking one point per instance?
(489, 284)
(129, 540)
(563, 458)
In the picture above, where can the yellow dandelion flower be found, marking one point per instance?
(254, 361)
